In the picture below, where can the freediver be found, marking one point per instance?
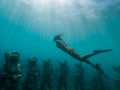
(64, 47)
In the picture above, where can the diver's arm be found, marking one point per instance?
(69, 49)
(62, 43)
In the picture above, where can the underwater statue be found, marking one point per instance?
(9, 79)
(117, 77)
(64, 47)
(46, 75)
(79, 77)
(33, 74)
(116, 68)
(63, 76)
(98, 81)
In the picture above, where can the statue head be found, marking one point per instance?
(15, 57)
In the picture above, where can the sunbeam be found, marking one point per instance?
(51, 14)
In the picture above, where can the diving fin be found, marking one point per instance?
(102, 51)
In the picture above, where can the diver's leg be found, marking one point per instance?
(88, 62)
(95, 52)
(96, 66)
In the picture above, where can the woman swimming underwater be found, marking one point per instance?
(64, 47)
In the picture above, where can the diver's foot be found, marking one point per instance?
(101, 51)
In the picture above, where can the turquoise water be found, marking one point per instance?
(29, 26)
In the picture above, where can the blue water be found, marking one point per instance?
(29, 26)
